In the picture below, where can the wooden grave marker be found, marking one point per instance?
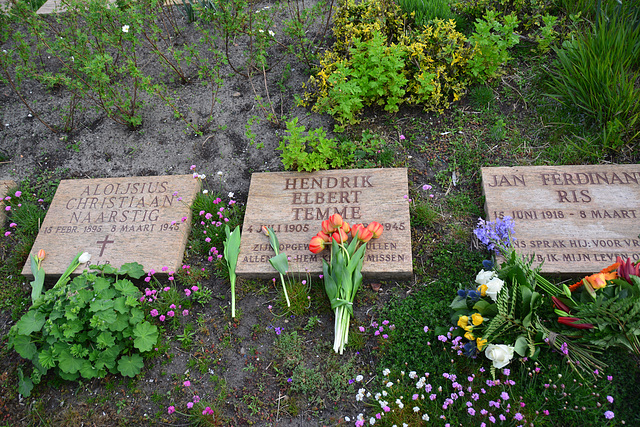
(118, 220)
(294, 204)
(574, 219)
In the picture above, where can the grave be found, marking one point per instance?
(5, 186)
(118, 220)
(294, 204)
(573, 219)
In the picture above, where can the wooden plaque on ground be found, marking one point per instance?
(5, 186)
(295, 204)
(118, 220)
(574, 219)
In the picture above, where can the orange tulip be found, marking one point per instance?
(336, 221)
(41, 255)
(340, 236)
(324, 236)
(317, 244)
(354, 230)
(327, 228)
(362, 234)
(376, 228)
(345, 227)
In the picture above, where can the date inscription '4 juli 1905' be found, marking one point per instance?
(295, 204)
(118, 220)
(573, 219)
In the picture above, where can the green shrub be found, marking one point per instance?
(595, 75)
(87, 327)
(311, 152)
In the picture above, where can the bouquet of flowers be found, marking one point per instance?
(343, 274)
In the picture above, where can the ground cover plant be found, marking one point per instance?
(224, 89)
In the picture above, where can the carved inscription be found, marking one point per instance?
(573, 219)
(118, 220)
(294, 205)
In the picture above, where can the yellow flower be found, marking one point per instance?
(483, 290)
(481, 343)
(469, 336)
(463, 321)
(477, 319)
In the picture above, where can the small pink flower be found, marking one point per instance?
(170, 313)
(361, 328)
(171, 410)
(162, 317)
(170, 278)
(165, 268)
(196, 399)
(7, 233)
(185, 312)
(402, 138)
(154, 313)
(147, 279)
(8, 208)
(183, 219)
(18, 193)
(190, 405)
(194, 288)
(187, 292)
(166, 289)
(172, 306)
(187, 383)
(13, 225)
(192, 167)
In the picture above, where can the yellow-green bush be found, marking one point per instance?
(379, 59)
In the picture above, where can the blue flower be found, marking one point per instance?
(487, 264)
(474, 295)
(470, 349)
(462, 293)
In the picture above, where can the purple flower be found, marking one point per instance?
(162, 317)
(504, 395)
(471, 411)
(170, 313)
(609, 399)
(518, 416)
(196, 399)
(185, 312)
(154, 313)
(609, 415)
(190, 405)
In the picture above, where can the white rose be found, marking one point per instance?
(484, 276)
(493, 287)
(84, 258)
(499, 354)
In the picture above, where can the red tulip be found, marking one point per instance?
(324, 236)
(345, 227)
(376, 228)
(340, 236)
(317, 244)
(354, 230)
(571, 321)
(361, 233)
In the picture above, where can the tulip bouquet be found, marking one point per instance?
(343, 274)
(605, 307)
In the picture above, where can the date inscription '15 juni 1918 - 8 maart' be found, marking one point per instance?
(294, 205)
(573, 219)
(118, 220)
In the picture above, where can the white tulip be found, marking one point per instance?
(84, 258)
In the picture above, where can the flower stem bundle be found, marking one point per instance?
(343, 274)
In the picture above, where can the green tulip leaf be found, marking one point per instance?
(280, 263)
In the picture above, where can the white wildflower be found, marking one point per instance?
(219, 173)
(205, 191)
(230, 194)
(425, 417)
(125, 28)
(416, 409)
(389, 384)
(386, 372)
(359, 378)
(272, 34)
(413, 375)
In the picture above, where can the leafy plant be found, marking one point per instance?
(595, 75)
(231, 252)
(311, 152)
(86, 327)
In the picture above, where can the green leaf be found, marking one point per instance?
(130, 366)
(101, 284)
(126, 287)
(122, 321)
(132, 269)
(25, 385)
(38, 282)
(280, 263)
(24, 346)
(88, 370)
(459, 303)
(521, 345)
(32, 321)
(136, 316)
(68, 363)
(120, 306)
(101, 304)
(105, 340)
(47, 358)
(106, 268)
(146, 336)
(107, 358)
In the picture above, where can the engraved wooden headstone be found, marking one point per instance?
(574, 219)
(5, 186)
(295, 204)
(118, 220)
